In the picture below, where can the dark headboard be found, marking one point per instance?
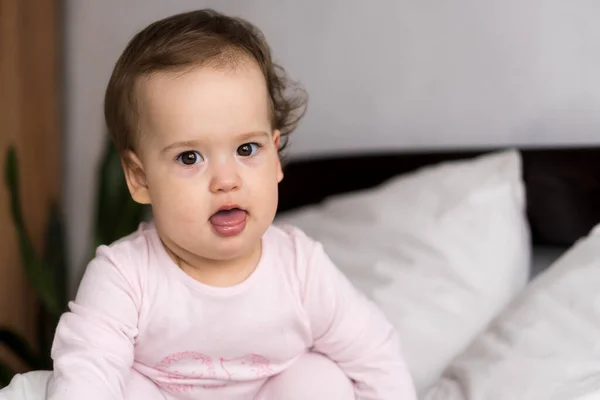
(562, 184)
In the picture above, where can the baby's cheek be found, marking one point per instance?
(177, 201)
(186, 208)
(267, 198)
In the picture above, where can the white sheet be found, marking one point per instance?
(29, 386)
(545, 346)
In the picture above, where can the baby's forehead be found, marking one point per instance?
(205, 100)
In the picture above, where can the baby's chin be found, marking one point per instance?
(211, 246)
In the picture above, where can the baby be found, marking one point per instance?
(210, 300)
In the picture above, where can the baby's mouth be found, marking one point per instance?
(228, 217)
(229, 221)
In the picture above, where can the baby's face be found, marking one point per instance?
(207, 145)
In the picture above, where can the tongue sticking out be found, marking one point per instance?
(229, 222)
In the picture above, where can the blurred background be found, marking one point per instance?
(386, 74)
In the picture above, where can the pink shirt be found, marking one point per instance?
(136, 309)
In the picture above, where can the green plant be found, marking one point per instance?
(116, 215)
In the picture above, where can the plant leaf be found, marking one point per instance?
(55, 257)
(40, 275)
(18, 345)
(6, 375)
(46, 328)
(55, 252)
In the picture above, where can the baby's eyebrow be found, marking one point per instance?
(252, 135)
(187, 143)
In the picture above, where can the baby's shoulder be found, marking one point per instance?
(123, 263)
(293, 248)
(131, 252)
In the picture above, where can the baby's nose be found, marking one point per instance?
(225, 179)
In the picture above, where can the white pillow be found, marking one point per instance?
(545, 345)
(442, 250)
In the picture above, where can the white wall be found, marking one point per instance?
(388, 74)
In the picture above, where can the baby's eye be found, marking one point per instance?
(248, 149)
(189, 158)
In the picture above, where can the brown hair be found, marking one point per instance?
(187, 40)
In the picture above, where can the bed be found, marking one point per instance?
(562, 188)
(562, 184)
(487, 261)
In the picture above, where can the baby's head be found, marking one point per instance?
(199, 113)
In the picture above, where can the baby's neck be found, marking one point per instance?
(217, 273)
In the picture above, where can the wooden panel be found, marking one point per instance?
(29, 119)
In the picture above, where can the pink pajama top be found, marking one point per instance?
(135, 309)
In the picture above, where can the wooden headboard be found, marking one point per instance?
(562, 184)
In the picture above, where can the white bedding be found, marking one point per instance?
(29, 386)
(545, 345)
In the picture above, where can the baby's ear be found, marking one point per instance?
(276, 143)
(136, 178)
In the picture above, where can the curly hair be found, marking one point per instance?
(187, 40)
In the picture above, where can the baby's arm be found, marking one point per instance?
(94, 342)
(349, 329)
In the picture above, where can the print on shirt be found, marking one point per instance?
(184, 366)
(181, 368)
(244, 367)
